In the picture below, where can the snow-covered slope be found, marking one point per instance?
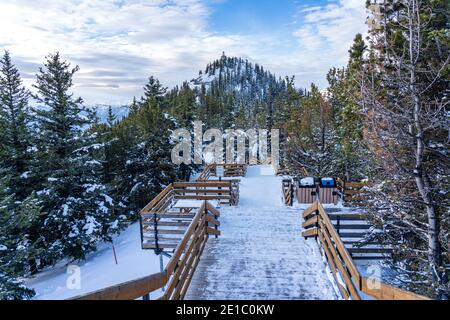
(119, 112)
(99, 270)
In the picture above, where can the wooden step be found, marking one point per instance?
(352, 226)
(171, 224)
(171, 215)
(167, 231)
(359, 258)
(351, 235)
(350, 242)
(369, 250)
(346, 217)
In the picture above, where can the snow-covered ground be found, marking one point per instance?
(99, 270)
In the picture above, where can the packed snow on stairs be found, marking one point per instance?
(261, 254)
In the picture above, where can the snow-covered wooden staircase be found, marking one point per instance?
(260, 253)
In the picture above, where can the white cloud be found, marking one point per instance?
(324, 38)
(118, 44)
(129, 39)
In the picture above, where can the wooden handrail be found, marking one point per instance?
(149, 207)
(348, 278)
(178, 271)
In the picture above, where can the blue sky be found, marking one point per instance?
(251, 16)
(118, 44)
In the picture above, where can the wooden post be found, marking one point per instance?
(292, 194)
(114, 252)
(317, 223)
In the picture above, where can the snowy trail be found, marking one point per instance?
(260, 254)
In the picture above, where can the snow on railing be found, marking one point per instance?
(178, 273)
(318, 224)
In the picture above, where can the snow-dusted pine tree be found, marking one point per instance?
(16, 146)
(16, 245)
(77, 206)
(344, 93)
(153, 89)
(148, 167)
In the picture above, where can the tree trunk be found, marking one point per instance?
(32, 263)
(420, 175)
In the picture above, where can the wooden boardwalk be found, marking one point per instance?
(260, 254)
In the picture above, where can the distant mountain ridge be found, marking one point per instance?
(119, 111)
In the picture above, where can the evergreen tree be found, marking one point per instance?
(148, 167)
(287, 105)
(183, 105)
(18, 218)
(154, 89)
(15, 137)
(134, 106)
(75, 201)
(352, 159)
(16, 245)
(111, 119)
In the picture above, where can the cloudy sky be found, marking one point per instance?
(119, 43)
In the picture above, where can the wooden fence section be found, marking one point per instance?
(351, 192)
(288, 192)
(226, 191)
(178, 272)
(230, 170)
(348, 279)
(165, 219)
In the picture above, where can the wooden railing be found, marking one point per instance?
(226, 191)
(288, 192)
(163, 220)
(351, 192)
(178, 272)
(349, 281)
(230, 170)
